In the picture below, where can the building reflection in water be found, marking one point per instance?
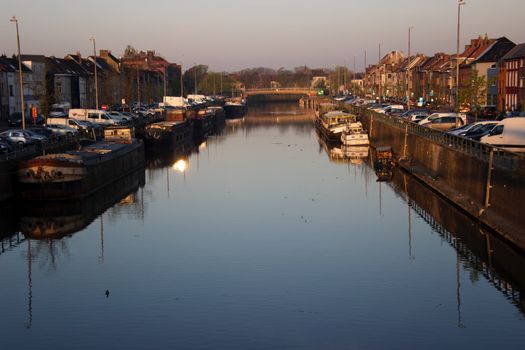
(479, 252)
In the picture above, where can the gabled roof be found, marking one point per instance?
(517, 52)
(65, 67)
(34, 58)
(10, 65)
(476, 48)
(496, 51)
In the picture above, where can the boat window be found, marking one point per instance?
(498, 130)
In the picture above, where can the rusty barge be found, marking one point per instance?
(77, 174)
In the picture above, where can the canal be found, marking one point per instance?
(260, 238)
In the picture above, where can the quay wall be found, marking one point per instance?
(487, 182)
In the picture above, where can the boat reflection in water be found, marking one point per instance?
(57, 219)
(339, 153)
(384, 163)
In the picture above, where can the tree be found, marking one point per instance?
(475, 93)
(194, 74)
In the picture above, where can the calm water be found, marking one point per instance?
(261, 238)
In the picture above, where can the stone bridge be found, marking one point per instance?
(278, 94)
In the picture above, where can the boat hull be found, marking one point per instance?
(235, 111)
(43, 178)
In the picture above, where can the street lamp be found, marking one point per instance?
(408, 70)
(21, 82)
(95, 64)
(460, 3)
(181, 85)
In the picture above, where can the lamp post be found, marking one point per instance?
(195, 76)
(96, 75)
(460, 3)
(408, 70)
(181, 85)
(164, 75)
(21, 80)
(379, 71)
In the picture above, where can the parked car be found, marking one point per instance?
(18, 137)
(462, 130)
(477, 133)
(119, 115)
(462, 116)
(59, 110)
(94, 116)
(5, 147)
(15, 119)
(63, 130)
(48, 133)
(416, 117)
(392, 109)
(39, 137)
(509, 134)
(443, 123)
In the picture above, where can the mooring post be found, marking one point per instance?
(488, 185)
(406, 139)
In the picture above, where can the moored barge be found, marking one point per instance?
(76, 174)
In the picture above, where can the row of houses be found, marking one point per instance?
(139, 76)
(495, 68)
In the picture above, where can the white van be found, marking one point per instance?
(508, 134)
(428, 119)
(94, 116)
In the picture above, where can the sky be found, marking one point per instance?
(229, 35)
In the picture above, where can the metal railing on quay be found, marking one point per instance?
(505, 287)
(501, 157)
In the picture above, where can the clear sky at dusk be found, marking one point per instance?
(235, 34)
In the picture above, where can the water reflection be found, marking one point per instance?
(44, 220)
(480, 252)
(264, 229)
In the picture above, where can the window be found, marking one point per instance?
(498, 130)
(11, 91)
(93, 116)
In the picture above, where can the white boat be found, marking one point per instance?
(332, 124)
(354, 135)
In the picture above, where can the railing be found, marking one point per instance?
(20, 151)
(502, 158)
(506, 288)
(11, 242)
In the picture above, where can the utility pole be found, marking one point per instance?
(365, 70)
(181, 85)
(460, 3)
(96, 75)
(138, 86)
(165, 81)
(21, 79)
(353, 77)
(408, 70)
(379, 69)
(195, 71)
